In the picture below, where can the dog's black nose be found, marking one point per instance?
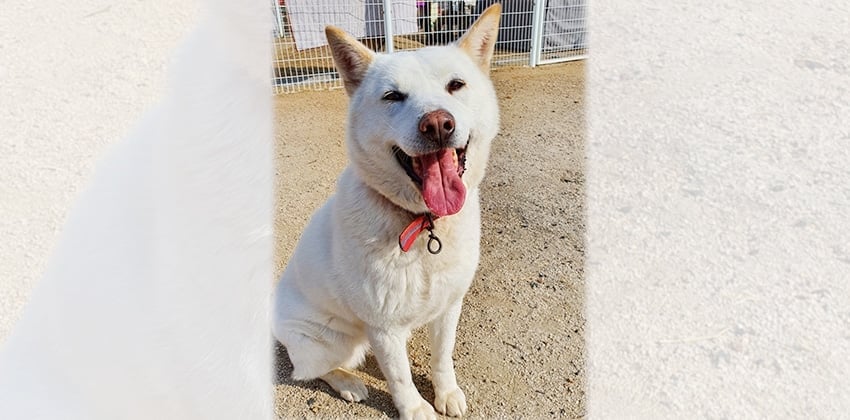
(437, 126)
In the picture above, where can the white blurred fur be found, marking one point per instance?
(348, 286)
(155, 302)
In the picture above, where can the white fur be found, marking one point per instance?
(348, 286)
(155, 302)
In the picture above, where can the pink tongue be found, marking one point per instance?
(442, 189)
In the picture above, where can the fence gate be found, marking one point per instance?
(532, 32)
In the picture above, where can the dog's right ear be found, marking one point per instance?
(352, 58)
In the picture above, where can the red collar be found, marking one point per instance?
(417, 226)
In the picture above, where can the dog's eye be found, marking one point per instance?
(394, 96)
(455, 85)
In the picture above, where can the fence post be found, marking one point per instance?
(279, 17)
(538, 19)
(388, 26)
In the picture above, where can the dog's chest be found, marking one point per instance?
(384, 285)
(413, 288)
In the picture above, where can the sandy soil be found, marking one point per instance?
(520, 350)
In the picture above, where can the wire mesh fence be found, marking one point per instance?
(564, 34)
(532, 32)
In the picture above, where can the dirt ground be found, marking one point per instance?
(520, 348)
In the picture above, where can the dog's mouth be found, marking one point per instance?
(438, 176)
(413, 166)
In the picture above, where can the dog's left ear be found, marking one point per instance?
(480, 40)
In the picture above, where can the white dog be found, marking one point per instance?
(365, 272)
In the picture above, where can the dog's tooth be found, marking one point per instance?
(454, 156)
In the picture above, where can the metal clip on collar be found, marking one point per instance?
(434, 243)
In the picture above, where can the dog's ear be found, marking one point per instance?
(480, 40)
(351, 57)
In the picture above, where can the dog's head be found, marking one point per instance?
(420, 122)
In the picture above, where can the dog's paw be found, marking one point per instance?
(423, 411)
(451, 403)
(347, 384)
(356, 393)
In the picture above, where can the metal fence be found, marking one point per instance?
(532, 32)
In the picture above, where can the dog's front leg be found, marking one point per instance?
(390, 348)
(448, 397)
